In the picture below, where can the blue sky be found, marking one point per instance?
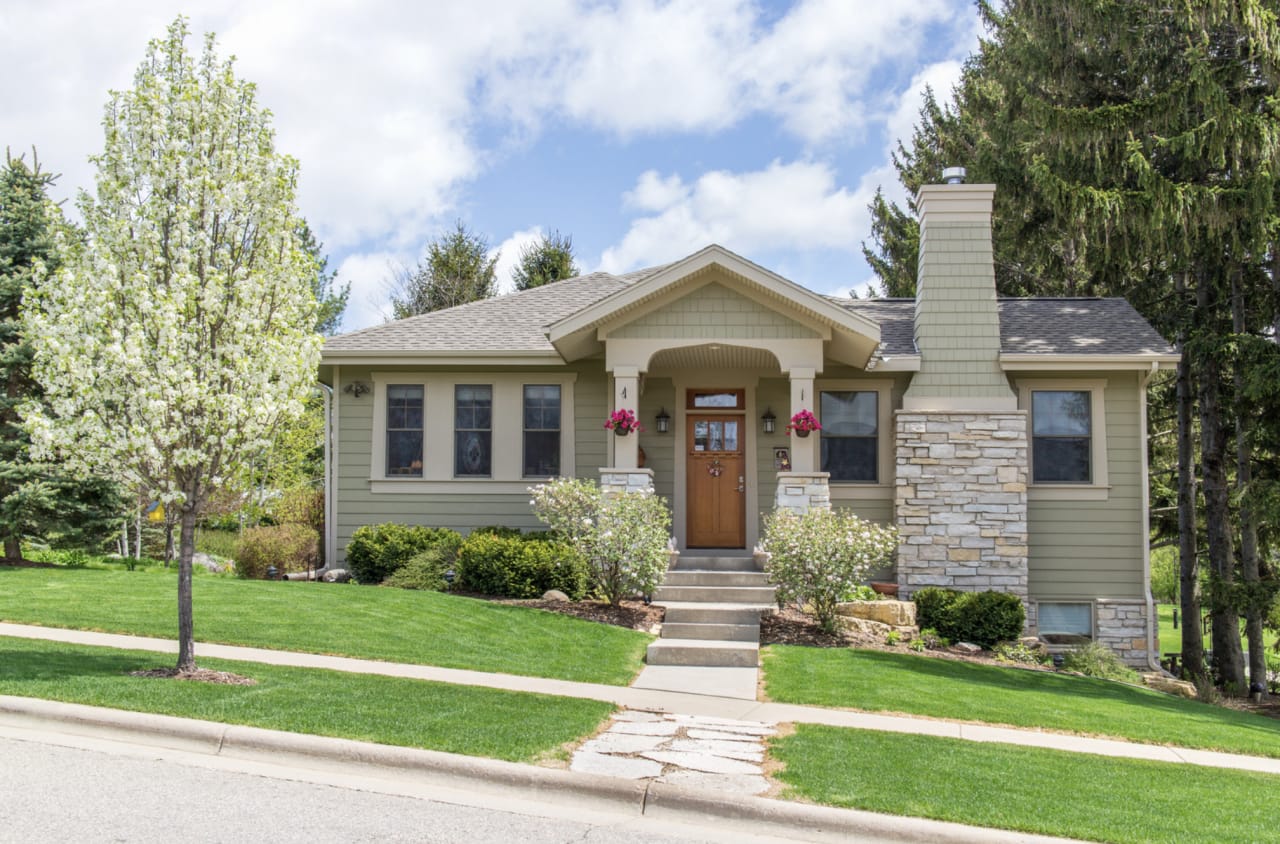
(644, 129)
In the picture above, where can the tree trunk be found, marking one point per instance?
(137, 538)
(12, 548)
(1228, 657)
(168, 539)
(186, 627)
(1188, 563)
(1250, 573)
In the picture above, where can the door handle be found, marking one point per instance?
(742, 485)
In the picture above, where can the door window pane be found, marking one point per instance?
(472, 427)
(541, 430)
(850, 434)
(730, 436)
(404, 429)
(717, 437)
(700, 436)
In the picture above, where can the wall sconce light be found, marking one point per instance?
(769, 421)
(356, 389)
(664, 421)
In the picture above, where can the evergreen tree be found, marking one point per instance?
(36, 498)
(548, 260)
(456, 270)
(331, 299)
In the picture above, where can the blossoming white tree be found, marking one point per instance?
(181, 332)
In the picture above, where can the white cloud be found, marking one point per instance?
(654, 192)
(369, 275)
(795, 206)
(509, 256)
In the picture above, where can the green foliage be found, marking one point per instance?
(862, 592)
(290, 548)
(1165, 574)
(425, 570)
(456, 270)
(549, 260)
(331, 299)
(982, 618)
(624, 538)
(512, 567)
(818, 557)
(498, 530)
(1097, 660)
(376, 551)
(893, 637)
(218, 543)
(1019, 653)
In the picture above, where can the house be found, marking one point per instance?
(1005, 438)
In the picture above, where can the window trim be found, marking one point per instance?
(1099, 488)
(507, 430)
(524, 445)
(883, 387)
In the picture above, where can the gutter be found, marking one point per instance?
(330, 505)
(1153, 655)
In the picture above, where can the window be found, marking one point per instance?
(541, 430)
(850, 431)
(1064, 624)
(472, 431)
(717, 399)
(404, 429)
(1061, 434)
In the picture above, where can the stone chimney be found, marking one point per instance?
(961, 480)
(957, 326)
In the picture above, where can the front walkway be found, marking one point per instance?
(674, 702)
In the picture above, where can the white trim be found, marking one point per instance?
(507, 429)
(897, 363)
(883, 388)
(1153, 652)
(1099, 488)
(456, 486)
(1046, 362)
(384, 357)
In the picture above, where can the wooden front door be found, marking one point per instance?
(716, 488)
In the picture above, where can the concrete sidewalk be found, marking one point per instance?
(675, 702)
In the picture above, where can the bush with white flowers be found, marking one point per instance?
(624, 537)
(817, 557)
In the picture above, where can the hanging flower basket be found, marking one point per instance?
(803, 423)
(623, 422)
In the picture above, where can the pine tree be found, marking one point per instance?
(456, 270)
(548, 260)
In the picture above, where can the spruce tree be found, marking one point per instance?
(456, 270)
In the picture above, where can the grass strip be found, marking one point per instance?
(879, 681)
(1027, 789)
(515, 726)
(423, 628)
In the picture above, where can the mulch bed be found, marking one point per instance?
(633, 614)
(200, 675)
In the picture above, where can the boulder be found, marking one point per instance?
(892, 613)
(875, 629)
(966, 648)
(1169, 685)
(207, 562)
(336, 576)
(554, 595)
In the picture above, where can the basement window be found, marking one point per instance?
(1064, 624)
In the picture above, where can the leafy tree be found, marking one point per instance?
(36, 497)
(181, 332)
(456, 270)
(548, 260)
(331, 299)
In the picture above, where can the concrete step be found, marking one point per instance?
(722, 632)
(715, 594)
(714, 562)
(711, 653)
(678, 613)
(716, 578)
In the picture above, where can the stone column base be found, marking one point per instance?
(1122, 626)
(614, 481)
(801, 492)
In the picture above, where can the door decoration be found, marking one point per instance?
(714, 469)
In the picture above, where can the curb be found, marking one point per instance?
(635, 797)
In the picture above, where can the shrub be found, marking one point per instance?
(290, 548)
(1097, 660)
(624, 538)
(376, 551)
(983, 618)
(1020, 653)
(818, 557)
(515, 568)
(423, 571)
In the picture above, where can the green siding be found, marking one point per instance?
(714, 312)
(659, 449)
(1093, 549)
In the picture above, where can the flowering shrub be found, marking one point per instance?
(623, 421)
(803, 422)
(623, 537)
(817, 557)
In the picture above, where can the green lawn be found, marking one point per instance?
(1171, 638)
(922, 685)
(425, 628)
(516, 726)
(1026, 789)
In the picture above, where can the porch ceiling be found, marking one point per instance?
(714, 356)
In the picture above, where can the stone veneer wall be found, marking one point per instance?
(1122, 626)
(961, 500)
(615, 481)
(803, 491)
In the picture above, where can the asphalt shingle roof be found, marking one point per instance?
(518, 323)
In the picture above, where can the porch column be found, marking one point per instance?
(626, 394)
(803, 449)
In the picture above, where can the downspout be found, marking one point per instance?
(327, 392)
(1153, 655)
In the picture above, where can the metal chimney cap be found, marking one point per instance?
(953, 175)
